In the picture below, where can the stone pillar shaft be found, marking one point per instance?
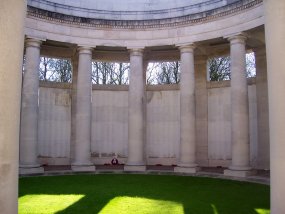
(12, 17)
(136, 159)
(83, 112)
(30, 109)
(240, 165)
(275, 43)
(239, 101)
(187, 159)
(201, 95)
(262, 108)
(73, 105)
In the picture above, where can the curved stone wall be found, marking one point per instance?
(129, 9)
(110, 125)
(218, 25)
(159, 19)
(208, 24)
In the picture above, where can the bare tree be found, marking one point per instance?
(122, 76)
(151, 73)
(44, 63)
(163, 73)
(57, 70)
(250, 65)
(219, 67)
(110, 73)
(63, 70)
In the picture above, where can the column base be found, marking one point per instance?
(83, 168)
(26, 170)
(134, 168)
(239, 173)
(182, 169)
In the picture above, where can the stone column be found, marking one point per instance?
(240, 165)
(12, 18)
(136, 147)
(187, 159)
(201, 95)
(82, 153)
(30, 110)
(73, 104)
(275, 43)
(262, 108)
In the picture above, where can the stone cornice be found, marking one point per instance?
(191, 19)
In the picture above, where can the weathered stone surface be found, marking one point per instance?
(31, 170)
(150, 36)
(12, 19)
(134, 168)
(275, 34)
(187, 154)
(239, 105)
(262, 109)
(190, 170)
(130, 10)
(136, 117)
(30, 109)
(82, 147)
(83, 168)
(239, 173)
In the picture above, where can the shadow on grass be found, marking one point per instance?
(195, 195)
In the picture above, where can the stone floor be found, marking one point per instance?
(262, 176)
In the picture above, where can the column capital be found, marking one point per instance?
(85, 50)
(187, 48)
(33, 42)
(237, 38)
(136, 51)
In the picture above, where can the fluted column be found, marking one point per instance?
(82, 151)
(187, 159)
(30, 110)
(12, 18)
(240, 165)
(136, 159)
(275, 43)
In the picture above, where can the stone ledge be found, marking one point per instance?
(31, 171)
(165, 87)
(251, 179)
(130, 168)
(110, 87)
(83, 168)
(50, 84)
(237, 173)
(227, 83)
(180, 169)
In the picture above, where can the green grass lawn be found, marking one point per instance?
(112, 193)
